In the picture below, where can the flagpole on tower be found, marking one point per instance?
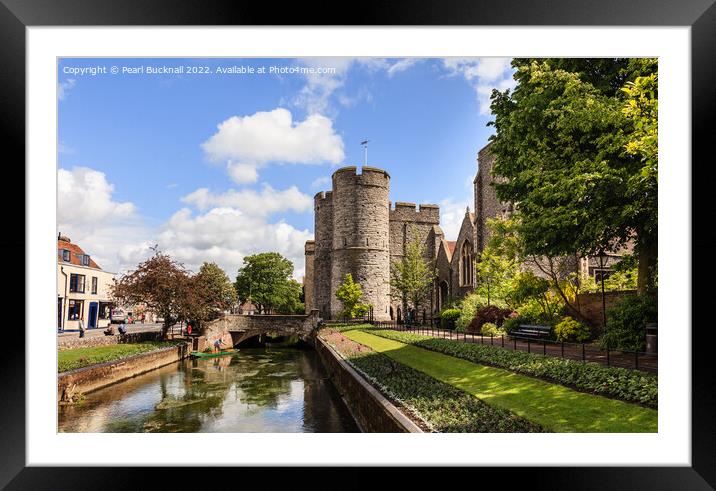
(365, 146)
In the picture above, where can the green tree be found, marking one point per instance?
(573, 160)
(412, 277)
(214, 291)
(160, 283)
(494, 274)
(265, 280)
(350, 294)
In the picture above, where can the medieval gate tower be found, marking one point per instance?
(357, 232)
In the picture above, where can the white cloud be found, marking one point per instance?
(85, 196)
(90, 217)
(452, 214)
(315, 96)
(249, 201)
(227, 227)
(401, 65)
(320, 182)
(242, 173)
(483, 74)
(63, 88)
(226, 235)
(247, 142)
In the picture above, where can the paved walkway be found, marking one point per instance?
(588, 352)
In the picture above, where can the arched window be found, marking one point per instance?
(466, 264)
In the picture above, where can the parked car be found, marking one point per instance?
(118, 316)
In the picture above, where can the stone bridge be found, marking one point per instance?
(235, 328)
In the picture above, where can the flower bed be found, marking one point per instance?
(441, 407)
(618, 383)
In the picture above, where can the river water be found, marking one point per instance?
(255, 390)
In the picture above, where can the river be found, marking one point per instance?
(255, 390)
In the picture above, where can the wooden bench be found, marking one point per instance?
(531, 331)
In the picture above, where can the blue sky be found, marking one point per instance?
(213, 167)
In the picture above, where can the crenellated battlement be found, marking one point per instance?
(322, 195)
(410, 212)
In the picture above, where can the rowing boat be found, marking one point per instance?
(200, 354)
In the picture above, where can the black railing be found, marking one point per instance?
(638, 360)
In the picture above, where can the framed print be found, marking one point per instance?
(261, 242)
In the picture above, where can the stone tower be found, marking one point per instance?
(361, 207)
(322, 253)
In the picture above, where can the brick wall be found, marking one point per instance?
(590, 305)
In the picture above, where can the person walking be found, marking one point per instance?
(82, 328)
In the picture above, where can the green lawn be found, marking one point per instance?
(553, 406)
(81, 357)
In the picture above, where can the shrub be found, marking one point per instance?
(572, 330)
(469, 307)
(490, 329)
(448, 317)
(492, 314)
(532, 312)
(619, 383)
(626, 323)
(512, 322)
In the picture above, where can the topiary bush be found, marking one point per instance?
(626, 323)
(492, 314)
(572, 330)
(448, 317)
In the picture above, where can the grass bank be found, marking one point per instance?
(550, 405)
(434, 405)
(618, 383)
(72, 359)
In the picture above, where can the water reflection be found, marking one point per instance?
(256, 390)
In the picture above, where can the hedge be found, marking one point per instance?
(619, 383)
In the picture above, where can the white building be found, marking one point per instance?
(82, 288)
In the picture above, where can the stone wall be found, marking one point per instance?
(371, 410)
(487, 205)
(408, 223)
(308, 276)
(590, 305)
(360, 236)
(70, 342)
(87, 379)
(323, 208)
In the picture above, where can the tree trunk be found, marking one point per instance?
(646, 255)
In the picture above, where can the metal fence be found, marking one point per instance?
(647, 362)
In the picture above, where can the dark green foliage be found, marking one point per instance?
(576, 145)
(446, 408)
(626, 323)
(265, 280)
(448, 317)
(512, 323)
(618, 383)
(490, 313)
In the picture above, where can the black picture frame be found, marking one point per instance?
(700, 15)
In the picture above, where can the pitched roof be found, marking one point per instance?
(75, 254)
(451, 246)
